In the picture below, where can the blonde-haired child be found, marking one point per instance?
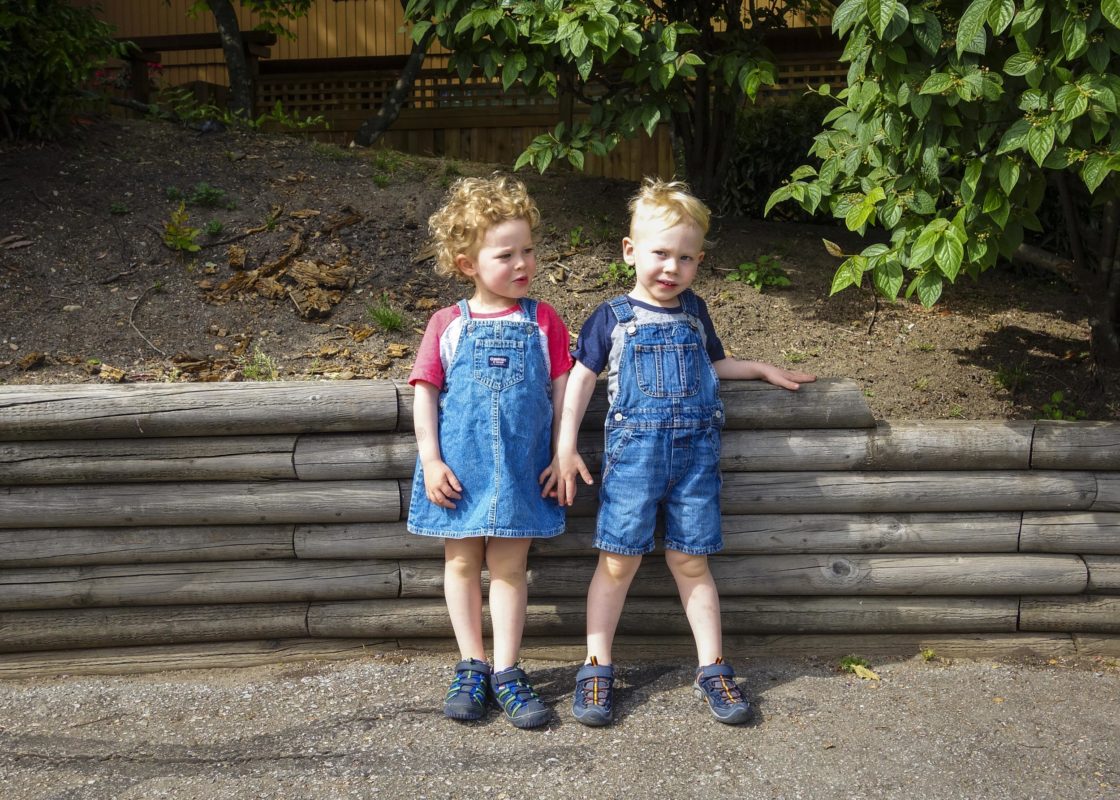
(663, 362)
(488, 374)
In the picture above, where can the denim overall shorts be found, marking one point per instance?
(495, 432)
(662, 439)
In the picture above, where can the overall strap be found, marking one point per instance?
(529, 309)
(689, 304)
(622, 309)
(464, 309)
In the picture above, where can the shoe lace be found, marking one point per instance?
(594, 690)
(469, 681)
(515, 694)
(720, 689)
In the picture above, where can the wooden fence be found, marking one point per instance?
(153, 526)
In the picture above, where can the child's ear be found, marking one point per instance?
(628, 250)
(464, 265)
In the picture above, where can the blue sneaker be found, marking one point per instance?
(522, 705)
(716, 684)
(469, 691)
(593, 703)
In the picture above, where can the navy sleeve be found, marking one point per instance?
(714, 345)
(593, 347)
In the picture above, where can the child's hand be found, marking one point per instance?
(570, 465)
(441, 485)
(549, 478)
(786, 378)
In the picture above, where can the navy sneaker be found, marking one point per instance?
(593, 703)
(522, 705)
(716, 684)
(468, 693)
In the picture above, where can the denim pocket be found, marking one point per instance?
(615, 444)
(499, 363)
(668, 370)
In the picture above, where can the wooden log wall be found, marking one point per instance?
(156, 524)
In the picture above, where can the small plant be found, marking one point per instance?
(173, 193)
(214, 227)
(617, 273)
(928, 654)
(207, 196)
(794, 356)
(576, 239)
(925, 347)
(178, 234)
(921, 384)
(1012, 378)
(955, 411)
(384, 315)
(381, 180)
(118, 208)
(1059, 408)
(849, 663)
(762, 274)
(390, 161)
(259, 366)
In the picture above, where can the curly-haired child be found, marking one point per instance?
(488, 374)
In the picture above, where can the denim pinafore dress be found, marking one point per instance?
(495, 432)
(662, 443)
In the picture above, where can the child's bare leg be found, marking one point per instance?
(605, 599)
(701, 603)
(505, 558)
(462, 589)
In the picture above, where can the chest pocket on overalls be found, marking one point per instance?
(668, 370)
(499, 363)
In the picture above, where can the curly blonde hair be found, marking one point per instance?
(669, 203)
(473, 206)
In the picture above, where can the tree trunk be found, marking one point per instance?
(240, 78)
(374, 128)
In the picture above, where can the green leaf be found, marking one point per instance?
(850, 273)
(1040, 141)
(887, 279)
(848, 14)
(971, 24)
(948, 253)
(880, 13)
(1021, 63)
(937, 83)
(1111, 11)
(1000, 14)
(928, 287)
(1094, 171)
(1008, 175)
(1074, 38)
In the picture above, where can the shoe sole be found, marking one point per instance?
(592, 720)
(529, 720)
(464, 716)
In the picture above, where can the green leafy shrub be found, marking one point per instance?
(772, 139)
(762, 274)
(48, 51)
(177, 232)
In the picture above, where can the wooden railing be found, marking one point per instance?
(177, 524)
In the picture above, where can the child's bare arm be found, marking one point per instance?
(581, 384)
(549, 477)
(440, 483)
(734, 369)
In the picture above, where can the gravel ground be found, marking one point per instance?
(372, 727)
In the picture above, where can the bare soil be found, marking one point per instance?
(307, 241)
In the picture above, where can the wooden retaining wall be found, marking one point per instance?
(152, 526)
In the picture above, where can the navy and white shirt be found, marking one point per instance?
(601, 339)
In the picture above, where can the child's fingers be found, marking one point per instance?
(585, 473)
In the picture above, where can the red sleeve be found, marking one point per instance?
(559, 342)
(428, 366)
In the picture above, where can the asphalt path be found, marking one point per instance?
(372, 727)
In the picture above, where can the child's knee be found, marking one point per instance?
(684, 565)
(618, 568)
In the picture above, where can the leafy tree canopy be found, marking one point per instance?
(962, 123)
(634, 65)
(272, 13)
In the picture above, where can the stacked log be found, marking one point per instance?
(260, 518)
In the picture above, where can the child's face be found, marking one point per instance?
(504, 267)
(664, 260)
